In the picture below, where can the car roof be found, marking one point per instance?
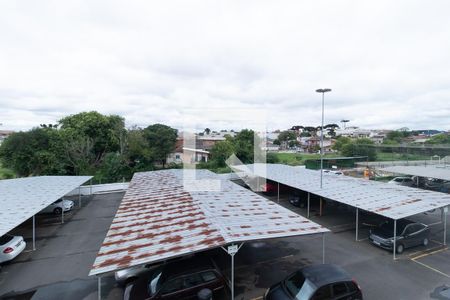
(324, 274)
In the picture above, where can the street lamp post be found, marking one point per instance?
(323, 91)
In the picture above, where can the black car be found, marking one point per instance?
(409, 234)
(316, 282)
(178, 280)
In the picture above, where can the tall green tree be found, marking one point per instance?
(439, 139)
(140, 156)
(220, 153)
(34, 152)
(105, 133)
(340, 142)
(161, 141)
(360, 147)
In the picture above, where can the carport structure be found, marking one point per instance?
(432, 171)
(159, 219)
(23, 198)
(388, 200)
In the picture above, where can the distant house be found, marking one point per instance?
(4, 134)
(353, 132)
(188, 153)
(209, 140)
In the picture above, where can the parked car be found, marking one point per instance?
(10, 247)
(406, 181)
(438, 185)
(57, 206)
(409, 234)
(126, 276)
(181, 279)
(335, 172)
(316, 282)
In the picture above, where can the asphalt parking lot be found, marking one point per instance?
(59, 268)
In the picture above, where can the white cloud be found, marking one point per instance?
(387, 62)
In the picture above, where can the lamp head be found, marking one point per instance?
(323, 90)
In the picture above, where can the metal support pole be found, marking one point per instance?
(321, 142)
(34, 233)
(321, 206)
(99, 288)
(79, 196)
(357, 223)
(395, 238)
(278, 191)
(232, 277)
(307, 214)
(445, 224)
(323, 247)
(232, 250)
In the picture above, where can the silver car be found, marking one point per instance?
(10, 247)
(405, 181)
(57, 206)
(125, 276)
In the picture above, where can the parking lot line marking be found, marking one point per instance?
(437, 242)
(257, 298)
(429, 253)
(431, 268)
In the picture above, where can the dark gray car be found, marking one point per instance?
(409, 234)
(316, 282)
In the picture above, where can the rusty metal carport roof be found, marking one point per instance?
(431, 171)
(22, 198)
(389, 200)
(158, 219)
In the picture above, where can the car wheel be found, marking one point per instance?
(400, 249)
(425, 242)
(57, 211)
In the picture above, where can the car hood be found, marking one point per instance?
(383, 233)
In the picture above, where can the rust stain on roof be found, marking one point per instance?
(157, 219)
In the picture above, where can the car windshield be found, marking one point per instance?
(299, 287)
(154, 283)
(389, 227)
(5, 239)
(57, 201)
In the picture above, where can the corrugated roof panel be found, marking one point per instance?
(158, 219)
(389, 200)
(21, 198)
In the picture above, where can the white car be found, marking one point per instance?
(57, 206)
(335, 172)
(10, 247)
(405, 181)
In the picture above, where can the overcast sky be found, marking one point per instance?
(388, 62)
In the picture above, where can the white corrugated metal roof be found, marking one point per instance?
(389, 200)
(433, 171)
(21, 198)
(158, 219)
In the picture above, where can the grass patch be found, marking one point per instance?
(297, 159)
(6, 173)
(383, 156)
